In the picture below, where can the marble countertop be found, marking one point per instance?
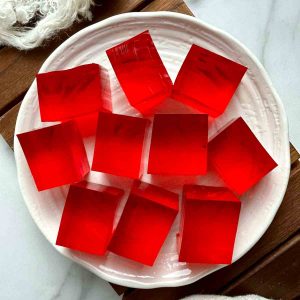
(30, 267)
(271, 30)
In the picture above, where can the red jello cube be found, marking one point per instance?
(141, 72)
(179, 144)
(144, 225)
(207, 81)
(87, 220)
(209, 223)
(68, 94)
(238, 157)
(119, 145)
(55, 155)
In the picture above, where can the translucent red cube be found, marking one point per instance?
(208, 224)
(119, 145)
(68, 94)
(141, 72)
(55, 155)
(145, 223)
(88, 217)
(178, 144)
(207, 81)
(238, 157)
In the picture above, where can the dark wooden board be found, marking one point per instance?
(166, 5)
(18, 68)
(257, 271)
(285, 224)
(276, 277)
(7, 124)
(8, 121)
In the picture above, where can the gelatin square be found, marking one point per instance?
(141, 72)
(238, 157)
(179, 144)
(207, 81)
(88, 217)
(209, 223)
(119, 145)
(72, 93)
(56, 155)
(145, 223)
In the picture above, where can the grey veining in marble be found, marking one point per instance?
(271, 30)
(30, 268)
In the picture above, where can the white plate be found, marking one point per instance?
(255, 99)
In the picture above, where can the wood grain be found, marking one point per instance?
(276, 277)
(18, 68)
(267, 269)
(294, 154)
(285, 224)
(166, 5)
(8, 123)
(119, 289)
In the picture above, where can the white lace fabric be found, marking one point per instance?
(48, 17)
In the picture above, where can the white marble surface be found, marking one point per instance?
(271, 30)
(29, 267)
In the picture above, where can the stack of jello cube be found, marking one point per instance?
(163, 145)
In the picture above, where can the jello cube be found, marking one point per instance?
(88, 217)
(145, 223)
(68, 94)
(238, 157)
(141, 72)
(178, 144)
(207, 81)
(119, 145)
(209, 223)
(55, 155)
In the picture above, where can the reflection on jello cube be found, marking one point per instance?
(55, 155)
(68, 94)
(145, 223)
(179, 144)
(209, 223)
(119, 145)
(239, 157)
(88, 216)
(141, 72)
(207, 81)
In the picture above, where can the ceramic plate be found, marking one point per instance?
(255, 100)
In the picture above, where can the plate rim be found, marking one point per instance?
(121, 17)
